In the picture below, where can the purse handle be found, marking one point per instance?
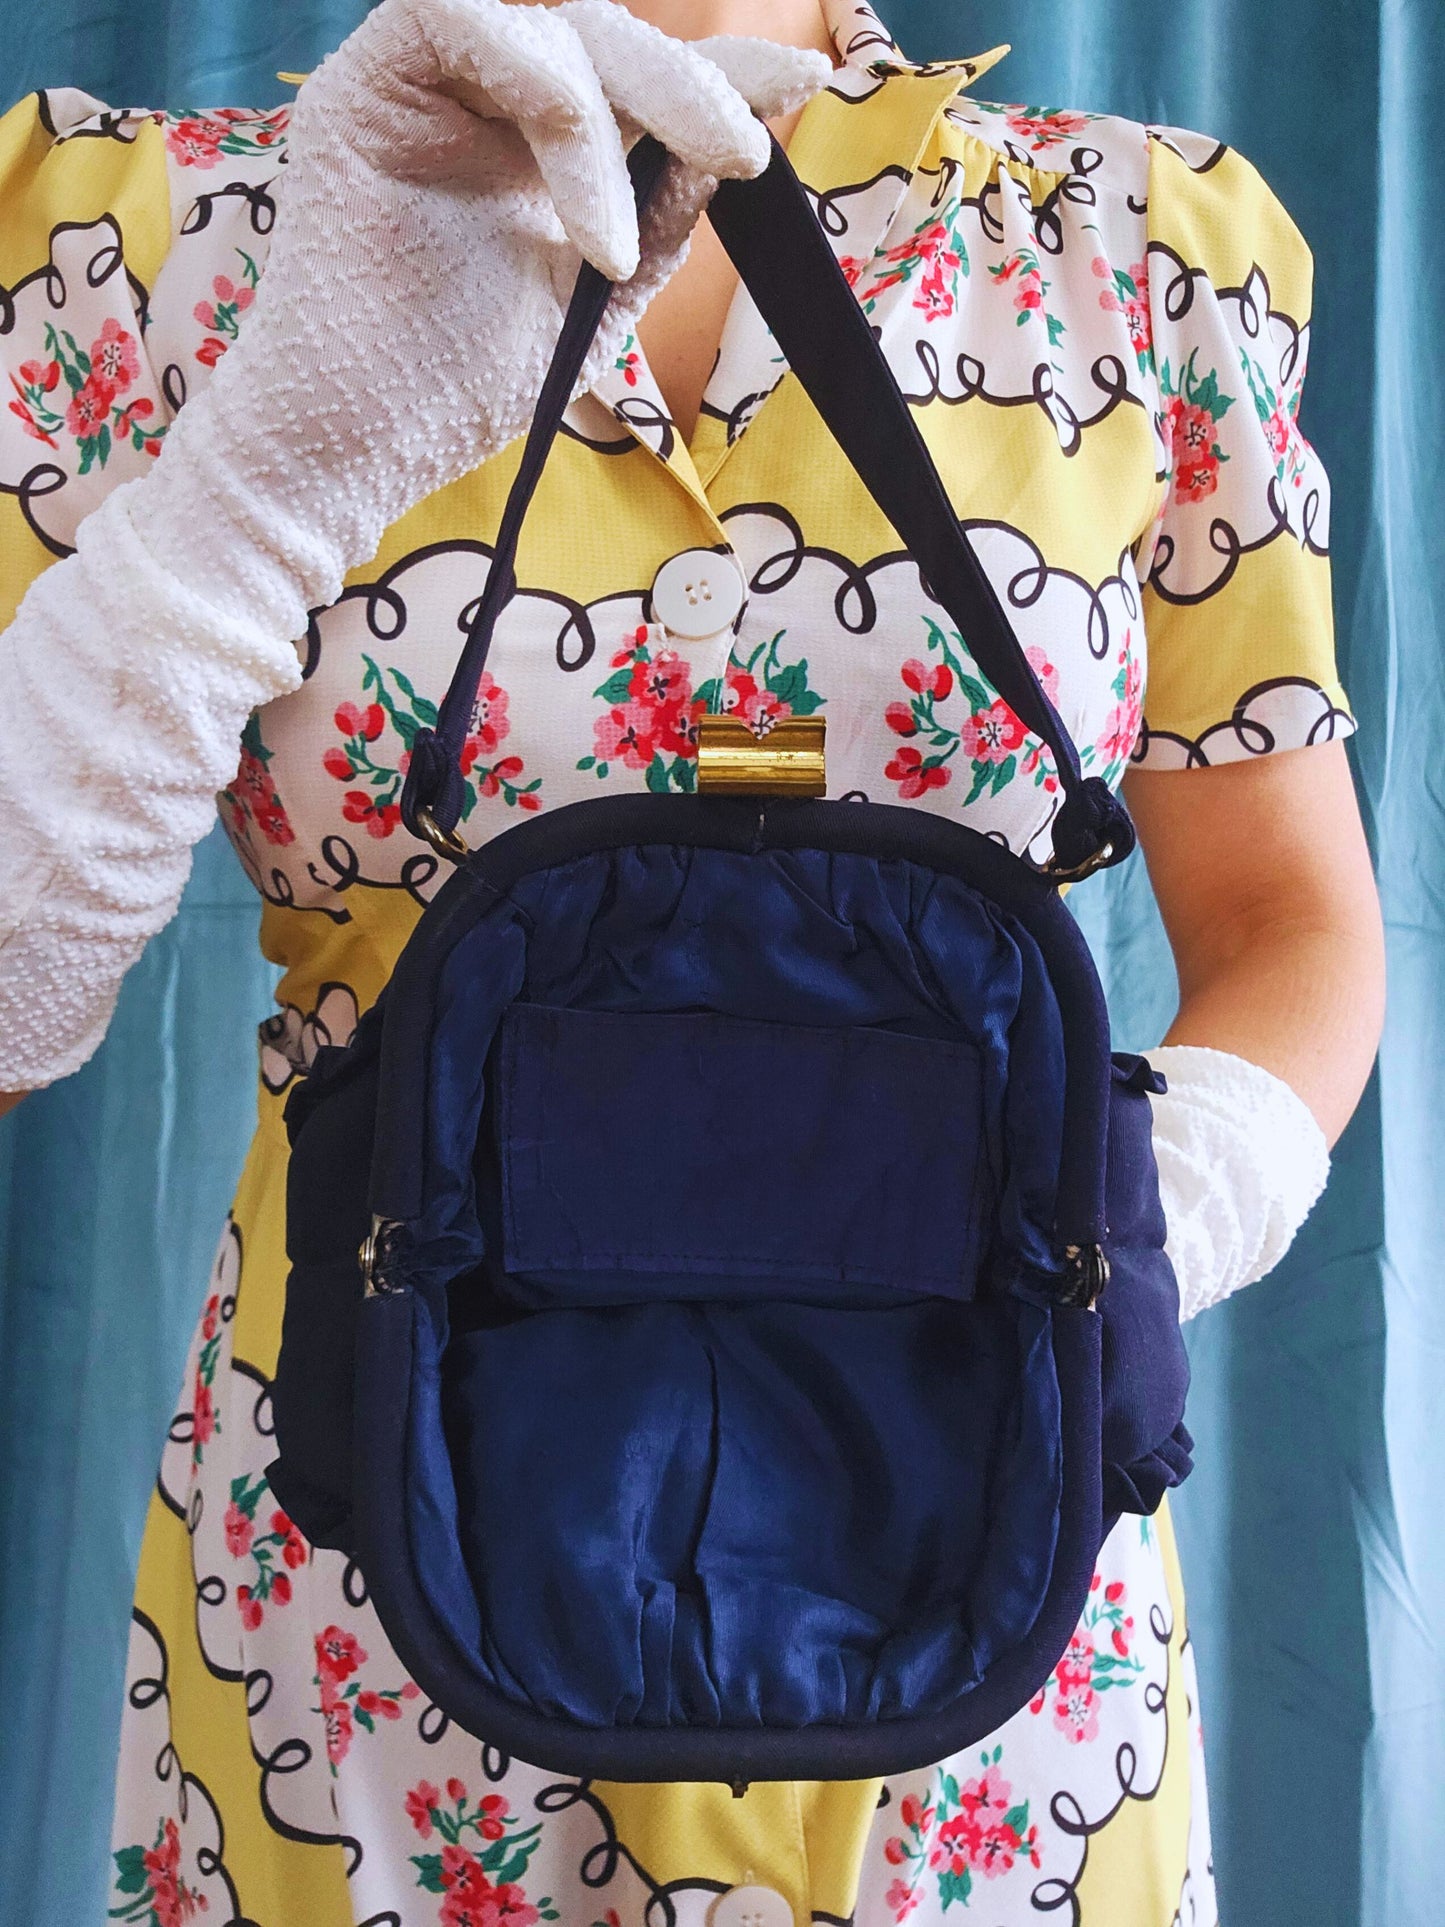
(769, 229)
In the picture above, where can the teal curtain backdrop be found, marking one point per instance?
(1313, 1552)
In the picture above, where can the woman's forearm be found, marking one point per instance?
(1305, 1004)
(1264, 882)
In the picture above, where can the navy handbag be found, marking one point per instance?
(728, 1305)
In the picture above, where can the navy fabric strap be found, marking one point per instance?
(434, 780)
(773, 237)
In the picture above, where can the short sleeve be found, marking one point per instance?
(131, 243)
(1236, 568)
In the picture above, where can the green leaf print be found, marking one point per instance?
(429, 1872)
(617, 688)
(131, 1876)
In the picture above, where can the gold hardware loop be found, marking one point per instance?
(446, 843)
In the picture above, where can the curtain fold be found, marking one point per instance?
(1313, 1555)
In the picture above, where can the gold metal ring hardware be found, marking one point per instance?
(1056, 873)
(446, 843)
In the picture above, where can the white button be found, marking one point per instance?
(698, 594)
(751, 1907)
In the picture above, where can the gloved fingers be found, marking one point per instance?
(772, 79)
(679, 95)
(537, 72)
(521, 69)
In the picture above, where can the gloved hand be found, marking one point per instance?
(1241, 1161)
(448, 166)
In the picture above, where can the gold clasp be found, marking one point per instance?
(789, 760)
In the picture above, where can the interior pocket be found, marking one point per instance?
(690, 1155)
(752, 1514)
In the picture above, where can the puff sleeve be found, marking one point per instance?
(1236, 568)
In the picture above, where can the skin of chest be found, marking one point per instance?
(682, 329)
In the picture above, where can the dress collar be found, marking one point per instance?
(871, 126)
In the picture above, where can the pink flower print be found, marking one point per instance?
(1116, 738)
(991, 735)
(1191, 433)
(489, 722)
(462, 1872)
(240, 1531)
(758, 707)
(1129, 296)
(502, 776)
(914, 776)
(901, 719)
(367, 723)
(664, 681)
(1044, 127)
(901, 1899)
(293, 1548)
(928, 678)
(114, 356)
(378, 1706)
(989, 1794)
(253, 792)
(504, 1906)
(252, 1611)
(1195, 481)
(89, 410)
(336, 1713)
(494, 1810)
(338, 1654)
(997, 1851)
(1029, 293)
(196, 142)
(171, 1901)
(380, 819)
(626, 734)
(221, 315)
(854, 267)
(927, 244)
(1076, 1668)
(422, 1801)
(230, 295)
(935, 296)
(36, 416)
(1279, 431)
(914, 1813)
(44, 375)
(1076, 1712)
(130, 421)
(1047, 674)
(203, 1414)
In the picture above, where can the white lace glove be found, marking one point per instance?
(1241, 1161)
(448, 166)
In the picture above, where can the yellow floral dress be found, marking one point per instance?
(1104, 330)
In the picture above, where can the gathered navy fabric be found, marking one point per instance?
(721, 1373)
(723, 1204)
